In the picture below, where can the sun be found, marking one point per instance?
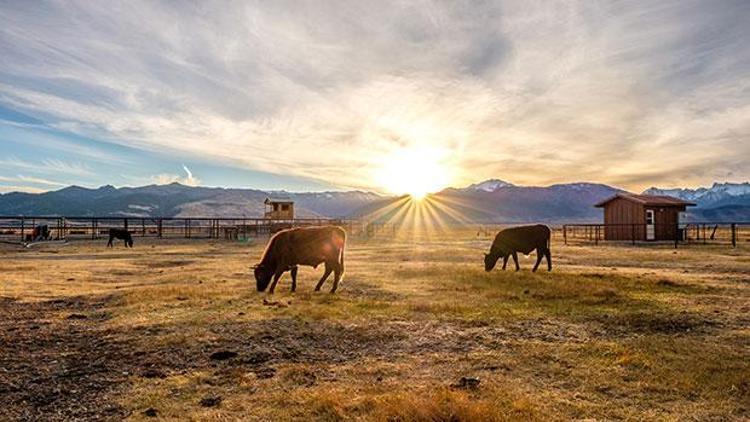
(413, 171)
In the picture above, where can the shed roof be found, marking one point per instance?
(650, 200)
(270, 200)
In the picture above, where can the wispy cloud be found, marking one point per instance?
(48, 165)
(39, 181)
(533, 92)
(22, 183)
(20, 188)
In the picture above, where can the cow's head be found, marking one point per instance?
(489, 262)
(262, 277)
(129, 241)
(490, 259)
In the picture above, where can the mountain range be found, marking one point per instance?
(493, 200)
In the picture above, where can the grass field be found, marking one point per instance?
(176, 329)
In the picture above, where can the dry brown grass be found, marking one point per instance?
(611, 333)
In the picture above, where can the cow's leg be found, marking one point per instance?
(328, 272)
(338, 270)
(539, 254)
(276, 278)
(109, 244)
(294, 278)
(515, 260)
(505, 261)
(548, 255)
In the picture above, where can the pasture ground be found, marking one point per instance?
(175, 329)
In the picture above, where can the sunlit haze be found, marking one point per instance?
(415, 171)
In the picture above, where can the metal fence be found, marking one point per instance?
(728, 233)
(21, 228)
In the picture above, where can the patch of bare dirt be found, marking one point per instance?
(654, 323)
(53, 366)
(168, 264)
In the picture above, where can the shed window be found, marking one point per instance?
(649, 216)
(285, 207)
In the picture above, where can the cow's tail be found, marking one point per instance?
(341, 254)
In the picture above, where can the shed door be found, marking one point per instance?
(650, 229)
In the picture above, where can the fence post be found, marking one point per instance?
(596, 235)
(23, 228)
(159, 227)
(565, 233)
(734, 235)
(676, 234)
(94, 228)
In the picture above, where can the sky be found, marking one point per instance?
(318, 95)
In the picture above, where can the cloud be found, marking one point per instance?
(190, 180)
(22, 183)
(58, 166)
(167, 178)
(20, 188)
(47, 165)
(533, 92)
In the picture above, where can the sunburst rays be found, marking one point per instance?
(421, 217)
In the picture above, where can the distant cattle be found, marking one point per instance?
(309, 246)
(40, 232)
(522, 239)
(122, 234)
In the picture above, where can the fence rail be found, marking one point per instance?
(20, 228)
(730, 233)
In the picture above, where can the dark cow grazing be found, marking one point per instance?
(40, 232)
(309, 246)
(522, 239)
(123, 234)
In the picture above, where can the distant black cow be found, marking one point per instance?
(522, 239)
(123, 234)
(40, 232)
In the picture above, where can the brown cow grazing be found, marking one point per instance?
(123, 234)
(302, 246)
(522, 239)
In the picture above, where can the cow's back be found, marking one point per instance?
(524, 239)
(305, 245)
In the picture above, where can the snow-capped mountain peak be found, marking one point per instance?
(719, 192)
(490, 185)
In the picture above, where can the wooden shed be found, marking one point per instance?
(629, 216)
(279, 209)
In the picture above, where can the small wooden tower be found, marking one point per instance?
(279, 209)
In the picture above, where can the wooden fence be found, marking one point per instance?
(20, 228)
(729, 233)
